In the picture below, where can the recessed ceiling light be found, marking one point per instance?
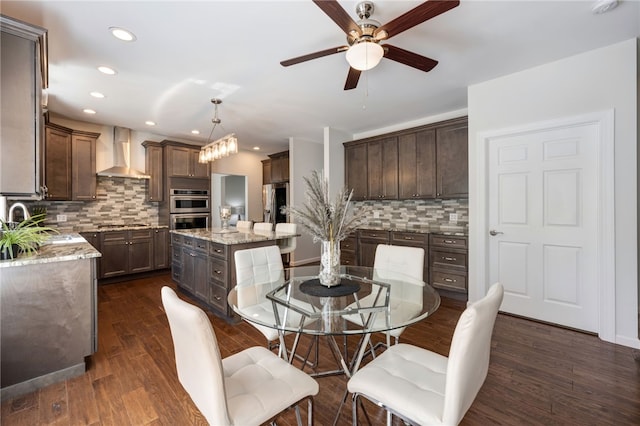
(195, 132)
(602, 6)
(256, 148)
(88, 111)
(107, 70)
(122, 34)
(150, 123)
(97, 95)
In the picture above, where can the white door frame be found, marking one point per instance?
(479, 234)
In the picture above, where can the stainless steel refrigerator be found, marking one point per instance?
(275, 197)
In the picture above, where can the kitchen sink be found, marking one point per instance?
(65, 239)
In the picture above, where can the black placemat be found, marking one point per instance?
(314, 288)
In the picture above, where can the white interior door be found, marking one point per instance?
(543, 215)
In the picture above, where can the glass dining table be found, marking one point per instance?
(367, 300)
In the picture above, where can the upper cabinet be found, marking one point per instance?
(452, 159)
(422, 163)
(417, 165)
(266, 171)
(69, 164)
(280, 167)
(154, 168)
(23, 76)
(183, 161)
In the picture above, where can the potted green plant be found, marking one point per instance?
(25, 236)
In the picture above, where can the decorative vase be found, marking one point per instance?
(330, 263)
(225, 215)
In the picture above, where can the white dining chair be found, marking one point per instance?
(263, 227)
(287, 245)
(426, 388)
(247, 388)
(244, 225)
(260, 265)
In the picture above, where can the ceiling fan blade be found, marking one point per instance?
(409, 58)
(352, 79)
(417, 15)
(314, 55)
(334, 11)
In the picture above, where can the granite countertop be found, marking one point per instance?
(231, 237)
(59, 248)
(120, 227)
(444, 229)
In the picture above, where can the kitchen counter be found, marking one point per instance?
(460, 230)
(232, 237)
(59, 248)
(120, 227)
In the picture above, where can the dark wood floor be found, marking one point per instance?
(539, 374)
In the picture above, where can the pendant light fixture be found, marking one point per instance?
(221, 147)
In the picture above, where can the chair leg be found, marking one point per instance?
(310, 412)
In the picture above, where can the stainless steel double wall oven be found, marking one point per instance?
(189, 208)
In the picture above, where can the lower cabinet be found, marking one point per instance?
(130, 251)
(206, 270)
(413, 239)
(448, 261)
(126, 252)
(348, 251)
(368, 241)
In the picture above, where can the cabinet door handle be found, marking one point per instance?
(450, 259)
(408, 238)
(450, 241)
(218, 251)
(449, 280)
(217, 272)
(218, 298)
(192, 254)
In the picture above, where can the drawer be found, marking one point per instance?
(348, 244)
(449, 280)
(188, 242)
(348, 258)
(141, 234)
(218, 271)
(114, 236)
(218, 250)
(176, 239)
(218, 297)
(369, 234)
(449, 241)
(176, 272)
(176, 256)
(410, 238)
(201, 245)
(449, 259)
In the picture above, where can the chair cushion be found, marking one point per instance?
(259, 384)
(410, 380)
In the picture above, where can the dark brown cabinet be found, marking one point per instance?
(280, 167)
(69, 164)
(422, 163)
(154, 168)
(413, 239)
(368, 241)
(160, 248)
(266, 172)
(382, 167)
(448, 262)
(356, 170)
(348, 252)
(417, 165)
(183, 161)
(126, 252)
(57, 162)
(195, 271)
(452, 161)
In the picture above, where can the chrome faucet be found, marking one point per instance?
(25, 212)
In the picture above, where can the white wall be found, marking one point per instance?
(595, 81)
(334, 158)
(248, 164)
(304, 157)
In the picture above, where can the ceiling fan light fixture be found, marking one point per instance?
(364, 55)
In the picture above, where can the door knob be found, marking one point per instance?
(493, 232)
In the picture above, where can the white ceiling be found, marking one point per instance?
(189, 52)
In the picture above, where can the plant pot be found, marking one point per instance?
(7, 254)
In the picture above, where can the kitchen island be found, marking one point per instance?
(202, 262)
(48, 311)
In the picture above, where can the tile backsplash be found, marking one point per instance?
(416, 214)
(118, 201)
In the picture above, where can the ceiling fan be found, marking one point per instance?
(364, 50)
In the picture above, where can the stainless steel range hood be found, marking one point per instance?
(122, 157)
